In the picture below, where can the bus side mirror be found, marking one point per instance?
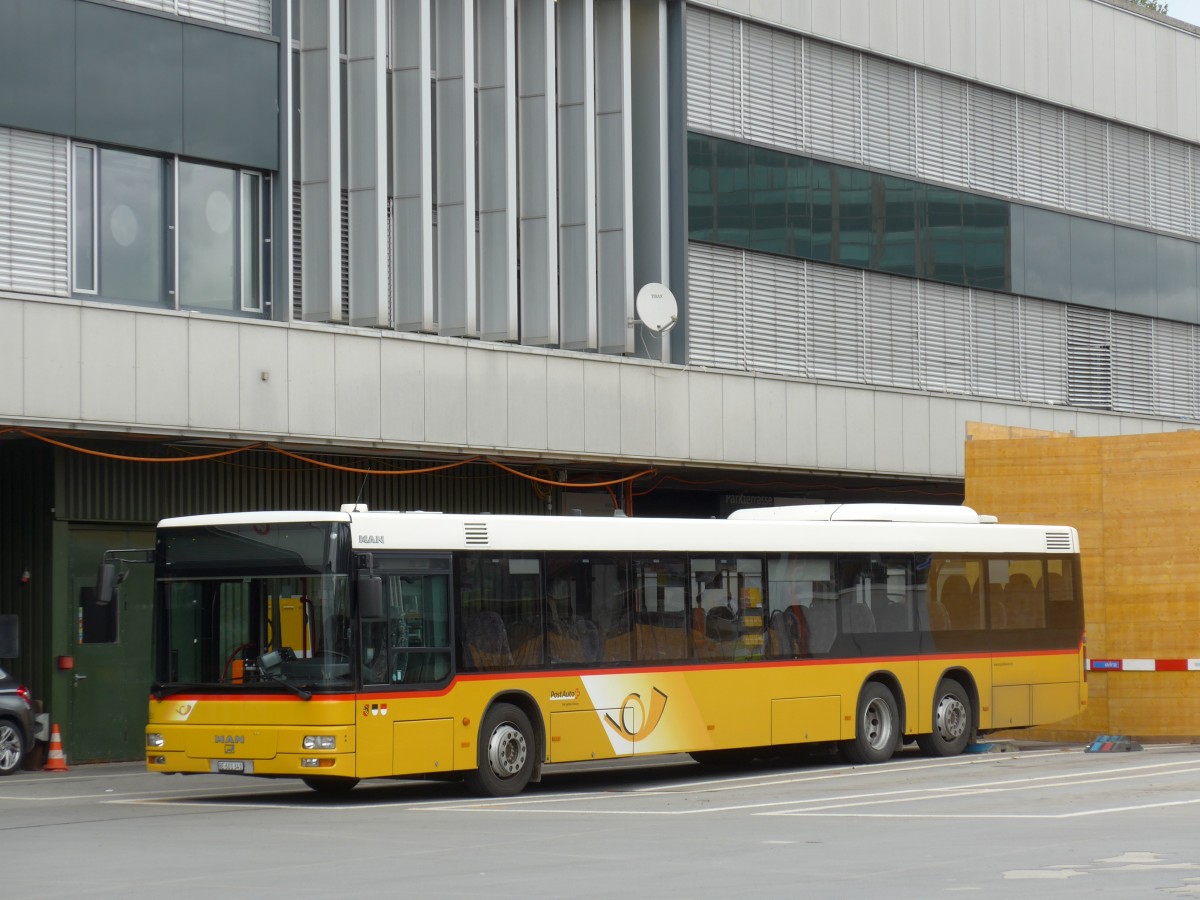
(370, 597)
(106, 584)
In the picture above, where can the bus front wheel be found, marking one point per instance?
(876, 726)
(506, 753)
(953, 721)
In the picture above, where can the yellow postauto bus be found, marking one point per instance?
(334, 647)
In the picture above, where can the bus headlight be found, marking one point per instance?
(154, 740)
(319, 742)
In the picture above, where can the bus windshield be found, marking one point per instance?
(272, 615)
(291, 633)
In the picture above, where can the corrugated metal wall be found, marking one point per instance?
(95, 489)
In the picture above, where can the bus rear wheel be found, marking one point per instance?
(506, 753)
(876, 727)
(953, 721)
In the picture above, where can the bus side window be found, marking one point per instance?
(958, 593)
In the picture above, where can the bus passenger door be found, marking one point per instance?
(409, 647)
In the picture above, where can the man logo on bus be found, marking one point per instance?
(633, 713)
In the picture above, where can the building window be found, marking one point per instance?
(208, 244)
(132, 227)
(168, 232)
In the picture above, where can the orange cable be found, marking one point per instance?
(123, 458)
(336, 466)
(358, 471)
(572, 484)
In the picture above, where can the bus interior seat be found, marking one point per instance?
(858, 618)
(1023, 602)
(720, 624)
(485, 642)
(997, 609)
(787, 632)
(525, 641)
(822, 625)
(939, 618)
(895, 614)
(960, 602)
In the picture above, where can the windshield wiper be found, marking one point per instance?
(294, 688)
(160, 690)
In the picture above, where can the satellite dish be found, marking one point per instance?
(656, 307)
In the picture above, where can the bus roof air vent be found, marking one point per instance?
(1059, 541)
(476, 534)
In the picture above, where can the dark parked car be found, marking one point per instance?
(16, 723)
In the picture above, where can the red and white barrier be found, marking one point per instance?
(1143, 665)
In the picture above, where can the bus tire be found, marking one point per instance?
(330, 784)
(953, 721)
(876, 726)
(506, 753)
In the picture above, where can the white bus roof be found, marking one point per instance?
(866, 512)
(873, 528)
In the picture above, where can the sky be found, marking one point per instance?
(1186, 10)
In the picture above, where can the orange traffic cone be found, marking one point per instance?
(56, 761)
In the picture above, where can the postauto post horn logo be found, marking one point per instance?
(633, 709)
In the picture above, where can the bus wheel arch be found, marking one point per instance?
(878, 728)
(955, 713)
(510, 746)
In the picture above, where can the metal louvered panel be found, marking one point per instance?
(1175, 371)
(832, 101)
(714, 72)
(297, 253)
(1089, 357)
(1059, 541)
(716, 290)
(345, 217)
(993, 144)
(835, 323)
(892, 338)
(774, 74)
(1129, 174)
(1043, 331)
(942, 128)
(254, 15)
(1171, 197)
(776, 330)
(160, 5)
(945, 317)
(1040, 152)
(475, 534)
(889, 138)
(33, 213)
(1087, 164)
(1132, 363)
(997, 350)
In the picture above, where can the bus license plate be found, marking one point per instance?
(233, 766)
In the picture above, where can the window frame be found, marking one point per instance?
(72, 214)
